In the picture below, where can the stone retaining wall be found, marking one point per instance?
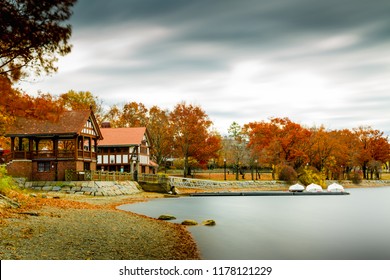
(94, 188)
(210, 184)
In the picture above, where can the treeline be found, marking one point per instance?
(185, 133)
(360, 152)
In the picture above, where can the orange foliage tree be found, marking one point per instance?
(160, 133)
(131, 114)
(260, 137)
(279, 141)
(82, 100)
(334, 153)
(17, 104)
(323, 145)
(191, 135)
(374, 150)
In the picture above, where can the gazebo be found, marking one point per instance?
(42, 150)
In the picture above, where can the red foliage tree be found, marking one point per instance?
(191, 135)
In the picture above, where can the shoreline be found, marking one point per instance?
(50, 226)
(279, 186)
(88, 228)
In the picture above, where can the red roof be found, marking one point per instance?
(69, 123)
(125, 136)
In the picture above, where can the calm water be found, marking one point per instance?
(355, 226)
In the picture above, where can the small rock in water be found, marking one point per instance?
(166, 217)
(209, 223)
(189, 223)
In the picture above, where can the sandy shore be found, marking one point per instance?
(81, 228)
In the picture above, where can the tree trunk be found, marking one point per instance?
(364, 169)
(185, 171)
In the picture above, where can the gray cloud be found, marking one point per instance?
(313, 61)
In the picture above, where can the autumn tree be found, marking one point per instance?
(292, 140)
(260, 136)
(345, 153)
(235, 148)
(82, 100)
(322, 146)
(191, 135)
(160, 133)
(131, 114)
(113, 115)
(32, 34)
(374, 149)
(17, 104)
(279, 142)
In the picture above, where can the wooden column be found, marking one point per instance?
(90, 147)
(13, 147)
(82, 145)
(30, 146)
(76, 147)
(20, 144)
(55, 146)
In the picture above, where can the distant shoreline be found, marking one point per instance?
(275, 185)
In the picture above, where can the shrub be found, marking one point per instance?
(310, 175)
(287, 173)
(356, 177)
(6, 182)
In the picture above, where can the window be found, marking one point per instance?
(43, 166)
(87, 144)
(87, 166)
(66, 145)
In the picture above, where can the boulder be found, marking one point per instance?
(166, 217)
(6, 202)
(189, 223)
(209, 223)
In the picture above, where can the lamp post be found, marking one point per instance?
(252, 171)
(224, 169)
(256, 168)
(134, 158)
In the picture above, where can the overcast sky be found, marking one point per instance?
(316, 62)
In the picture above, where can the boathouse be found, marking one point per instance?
(125, 149)
(42, 150)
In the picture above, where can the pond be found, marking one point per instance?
(353, 227)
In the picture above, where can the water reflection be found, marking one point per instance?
(324, 227)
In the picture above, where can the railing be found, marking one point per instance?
(86, 154)
(42, 154)
(152, 178)
(111, 176)
(32, 154)
(92, 175)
